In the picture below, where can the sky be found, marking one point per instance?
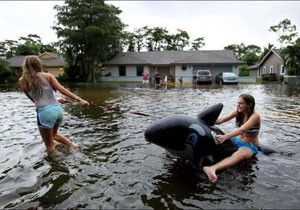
(221, 23)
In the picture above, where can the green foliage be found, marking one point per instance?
(250, 58)
(265, 77)
(6, 73)
(158, 39)
(249, 54)
(71, 73)
(244, 70)
(89, 32)
(238, 50)
(266, 50)
(291, 57)
(198, 43)
(286, 32)
(30, 45)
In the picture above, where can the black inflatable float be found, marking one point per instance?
(193, 138)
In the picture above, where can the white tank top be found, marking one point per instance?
(47, 96)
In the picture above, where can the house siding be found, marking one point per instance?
(186, 75)
(175, 70)
(272, 60)
(131, 73)
(171, 62)
(56, 71)
(254, 72)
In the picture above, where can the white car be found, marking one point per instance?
(227, 78)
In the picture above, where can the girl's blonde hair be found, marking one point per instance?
(30, 80)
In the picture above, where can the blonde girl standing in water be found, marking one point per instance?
(38, 87)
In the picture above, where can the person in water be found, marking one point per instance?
(245, 136)
(38, 86)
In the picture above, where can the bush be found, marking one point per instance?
(291, 72)
(281, 78)
(244, 70)
(265, 77)
(6, 73)
(71, 74)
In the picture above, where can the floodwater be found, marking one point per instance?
(116, 168)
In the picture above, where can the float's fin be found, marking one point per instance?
(210, 114)
(266, 150)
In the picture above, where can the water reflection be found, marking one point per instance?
(116, 168)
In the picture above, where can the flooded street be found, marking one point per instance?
(116, 168)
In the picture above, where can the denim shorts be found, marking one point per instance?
(49, 115)
(239, 143)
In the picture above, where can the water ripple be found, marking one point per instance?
(116, 168)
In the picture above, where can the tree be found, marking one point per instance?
(266, 50)
(8, 48)
(181, 39)
(291, 57)
(249, 54)
(90, 32)
(238, 50)
(155, 38)
(6, 73)
(128, 41)
(198, 43)
(250, 58)
(30, 45)
(286, 32)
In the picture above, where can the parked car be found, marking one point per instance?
(227, 78)
(204, 76)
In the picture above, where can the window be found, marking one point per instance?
(282, 70)
(139, 70)
(271, 70)
(122, 70)
(264, 70)
(183, 67)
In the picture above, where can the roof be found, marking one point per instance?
(56, 60)
(175, 57)
(275, 51)
(278, 52)
(256, 66)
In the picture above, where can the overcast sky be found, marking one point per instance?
(221, 23)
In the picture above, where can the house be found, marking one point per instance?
(270, 66)
(128, 66)
(51, 62)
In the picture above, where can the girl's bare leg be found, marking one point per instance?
(241, 154)
(62, 139)
(47, 136)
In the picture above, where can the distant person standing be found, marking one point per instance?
(180, 80)
(145, 77)
(195, 76)
(157, 79)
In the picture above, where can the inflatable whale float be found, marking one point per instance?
(193, 138)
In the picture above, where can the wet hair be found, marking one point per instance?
(30, 80)
(250, 101)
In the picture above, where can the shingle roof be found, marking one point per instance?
(278, 51)
(17, 61)
(175, 57)
(256, 66)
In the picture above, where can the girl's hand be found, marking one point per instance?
(221, 138)
(83, 102)
(62, 100)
